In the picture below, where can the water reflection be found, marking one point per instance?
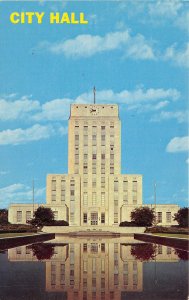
(97, 268)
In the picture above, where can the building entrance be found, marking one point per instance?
(94, 218)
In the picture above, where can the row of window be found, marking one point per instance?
(28, 215)
(168, 217)
(125, 185)
(94, 156)
(19, 215)
(85, 128)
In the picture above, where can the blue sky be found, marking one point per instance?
(136, 54)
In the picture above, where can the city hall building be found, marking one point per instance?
(94, 192)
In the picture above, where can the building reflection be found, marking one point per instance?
(94, 268)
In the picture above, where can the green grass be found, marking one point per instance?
(14, 234)
(176, 235)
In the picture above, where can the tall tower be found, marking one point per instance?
(94, 146)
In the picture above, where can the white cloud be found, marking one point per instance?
(86, 45)
(180, 116)
(21, 136)
(13, 109)
(164, 8)
(4, 172)
(20, 193)
(179, 57)
(57, 109)
(178, 144)
(133, 99)
(63, 130)
(182, 20)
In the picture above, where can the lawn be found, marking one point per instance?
(176, 235)
(14, 234)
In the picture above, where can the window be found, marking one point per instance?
(76, 139)
(85, 261)
(111, 156)
(72, 217)
(102, 266)
(72, 192)
(63, 195)
(85, 138)
(115, 202)
(168, 250)
(19, 216)
(116, 186)
(93, 198)
(102, 127)
(85, 218)
(102, 182)
(85, 169)
(28, 215)
(102, 283)
(85, 199)
(102, 218)
(85, 182)
(63, 183)
(85, 156)
(102, 169)
(102, 198)
(56, 215)
(168, 217)
(84, 250)
(76, 158)
(115, 217)
(53, 195)
(94, 156)
(125, 185)
(125, 198)
(134, 197)
(159, 217)
(102, 156)
(111, 170)
(94, 182)
(134, 185)
(53, 186)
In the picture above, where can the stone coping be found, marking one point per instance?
(180, 243)
(16, 241)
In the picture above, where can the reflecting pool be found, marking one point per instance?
(93, 268)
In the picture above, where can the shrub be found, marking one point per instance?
(182, 217)
(42, 216)
(143, 252)
(57, 223)
(143, 216)
(4, 216)
(127, 224)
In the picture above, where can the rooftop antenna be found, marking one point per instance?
(94, 92)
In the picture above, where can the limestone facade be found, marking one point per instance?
(94, 192)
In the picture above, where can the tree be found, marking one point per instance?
(42, 216)
(143, 216)
(182, 217)
(143, 252)
(3, 216)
